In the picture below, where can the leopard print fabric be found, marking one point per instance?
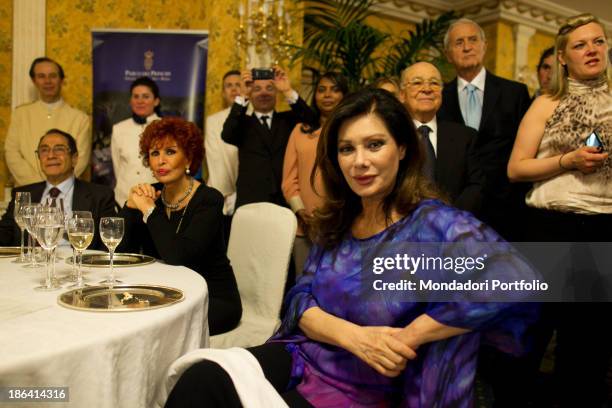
(586, 107)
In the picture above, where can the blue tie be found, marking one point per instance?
(473, 110)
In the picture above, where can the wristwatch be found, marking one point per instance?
(146, 214)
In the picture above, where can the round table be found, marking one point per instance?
(107, 359)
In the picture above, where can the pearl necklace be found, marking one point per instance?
(180, 200)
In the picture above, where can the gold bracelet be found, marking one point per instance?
(561, 165)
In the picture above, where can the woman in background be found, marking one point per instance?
(179, 219)
(389, 83)
(571, 201)
(299, 161)
(127, 164)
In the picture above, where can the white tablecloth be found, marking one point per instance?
(106, 359)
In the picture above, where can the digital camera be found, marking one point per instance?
(262, 73)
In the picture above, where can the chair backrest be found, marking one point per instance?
(260, 244)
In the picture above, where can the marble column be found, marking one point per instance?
(29, 35)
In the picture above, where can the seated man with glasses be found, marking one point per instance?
(57, 157)
(448, 146)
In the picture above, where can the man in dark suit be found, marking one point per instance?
(448, 146)
(57, 154)
(262, 137)
(494, 107)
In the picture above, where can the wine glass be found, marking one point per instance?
(70, 215)
(80, 233)
(111, 232)
(56, 202)
(22, 198)
(29, 215)
(49, 229)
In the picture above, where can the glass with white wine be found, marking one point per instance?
(111, 232)
(80, 229)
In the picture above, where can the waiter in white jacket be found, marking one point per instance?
(221, 157)
(127, 163)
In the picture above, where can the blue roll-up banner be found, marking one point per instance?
(175, 59)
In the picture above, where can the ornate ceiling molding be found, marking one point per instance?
(543, 15)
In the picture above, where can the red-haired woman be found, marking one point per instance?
(179, 219)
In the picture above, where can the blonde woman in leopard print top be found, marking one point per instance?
(571, 201)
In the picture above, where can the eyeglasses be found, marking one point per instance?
(58, 150)
(434, 84)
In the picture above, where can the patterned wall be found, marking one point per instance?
(68, 36)
(69, 24)
(6, 42)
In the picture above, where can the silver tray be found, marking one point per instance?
(119, 260)
(121, 298)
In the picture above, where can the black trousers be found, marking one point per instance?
(206, 384)
(584, 329)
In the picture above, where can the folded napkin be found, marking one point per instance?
(253, 389)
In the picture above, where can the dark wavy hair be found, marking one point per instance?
(152, 85)
(341, 206)
(186, 134)
(39, 60)
(338, 80)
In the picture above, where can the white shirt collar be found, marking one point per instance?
(478, 81)
(52, 105)
(432, 124)
(64, 186)
(260, 114)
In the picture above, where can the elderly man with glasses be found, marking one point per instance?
(57, 157)
(450, 162)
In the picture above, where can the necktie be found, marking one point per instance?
(473, 110)
(429, 167)
(264, 121)
(54, 192)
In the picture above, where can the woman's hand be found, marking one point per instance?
(379, 347)
(585, 159)
(142, 197)
(374, 345)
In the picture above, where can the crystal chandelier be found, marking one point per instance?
(264, 32)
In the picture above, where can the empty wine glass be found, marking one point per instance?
(22, 198)
(111, 232)
(57, 202)
(76, 214)
(30, 218)
(49, 229)
(80, 233)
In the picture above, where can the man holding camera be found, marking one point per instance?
(261, 138)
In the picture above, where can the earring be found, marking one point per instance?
(187, 172)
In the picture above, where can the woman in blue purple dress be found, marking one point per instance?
(340, 345)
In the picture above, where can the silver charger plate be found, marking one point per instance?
(121, 298)
(119, 260)
(8, 252)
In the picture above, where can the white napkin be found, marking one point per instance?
(253, 389)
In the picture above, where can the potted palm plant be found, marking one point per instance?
(338, 38)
